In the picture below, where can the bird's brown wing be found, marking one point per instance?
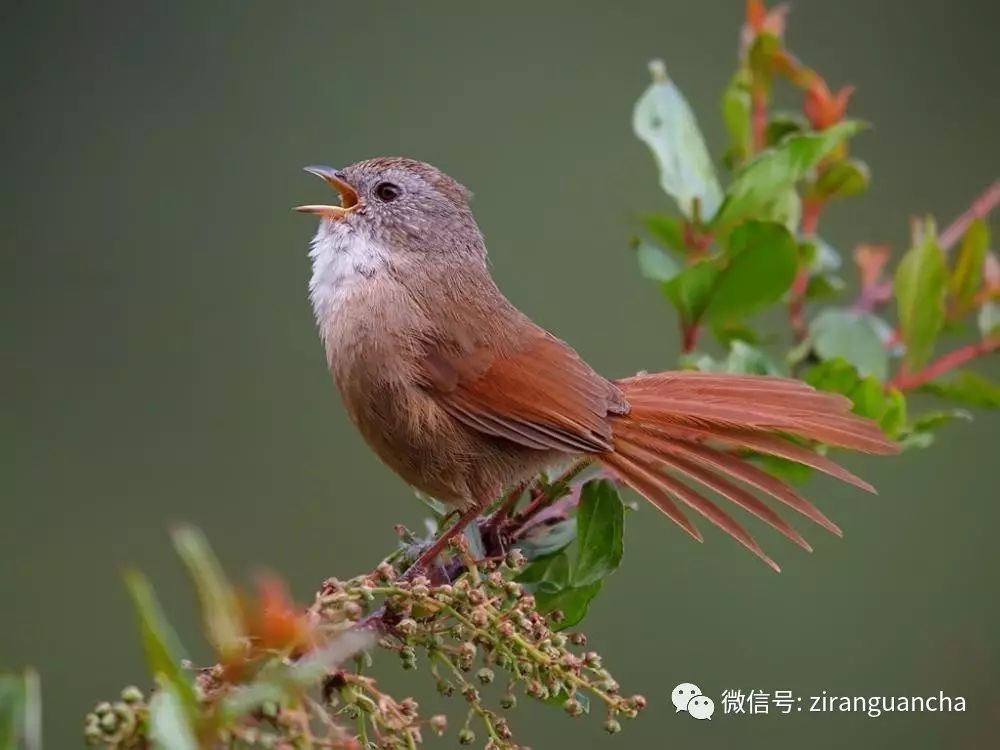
(540, 395)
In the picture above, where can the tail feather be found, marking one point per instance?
(829, 426)
(647, 482)
(652, 461)
(710, 467)
(682, 423)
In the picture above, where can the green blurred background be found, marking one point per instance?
(161, 364)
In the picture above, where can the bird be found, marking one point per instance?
(464, 396)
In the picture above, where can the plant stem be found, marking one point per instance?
(796, 304)
(544, 498)
(905, 381)
(430, 554)
(689, 337)
(981, 206)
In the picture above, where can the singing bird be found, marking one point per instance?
(463, 396)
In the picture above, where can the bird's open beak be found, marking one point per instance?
(335, 179)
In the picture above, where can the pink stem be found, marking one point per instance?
(904, 381)
(981, 206)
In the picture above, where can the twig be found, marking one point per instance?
(811, 210)
(981, 206)
(689, 337)
(544, 498)
(906, 381)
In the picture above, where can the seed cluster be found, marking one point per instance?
(481, 629)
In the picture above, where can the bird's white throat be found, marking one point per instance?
(342, 258)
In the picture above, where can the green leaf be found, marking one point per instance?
(749, 360)
(542, 540)
(654, 264)
(783, 124)
(163, 650)
(573, 602)
(920, 434)
(600, 523)
(20, 711)
(785, 469)
(776, 170)
(866, 393)
(762, 261)
(691, 289)
(664, 121)
(170, 726)
(732, 330)
(920, 289)
(838, 332)
(821, 256)
(548, 575)
(894, 419)
(868, 398)
(933, 419)
(824, 286)
(967, 387)
(667, 230)
(835, 375)
(916, 440)
(842, 179)
(736, 114)
(967, 274)
(785, 209)
(220, 607)
(988, 319)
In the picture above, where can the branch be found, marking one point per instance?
(946, 362)
(811, 210)
(981, 206)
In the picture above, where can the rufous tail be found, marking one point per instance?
(689, 431)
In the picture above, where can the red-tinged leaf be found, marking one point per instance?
(823, 108)
(280, 625)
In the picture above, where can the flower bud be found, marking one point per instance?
(466, 737)
(445, 688)
(409, 707)
(132, 694)
(420, 590)
(438, 724)
(485, 675)
(516, 559)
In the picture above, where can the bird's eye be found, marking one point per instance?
(387, 192)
